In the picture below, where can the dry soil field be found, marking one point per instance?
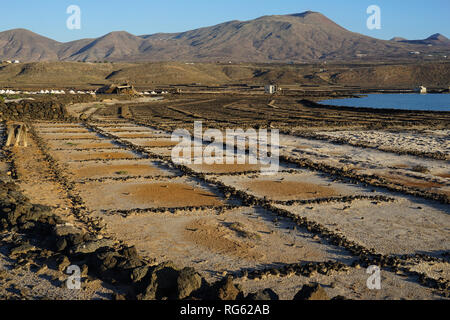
(355, 188)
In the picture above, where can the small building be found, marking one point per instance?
(16, 61)
(270, 89)
(421, 90)
(125, 88)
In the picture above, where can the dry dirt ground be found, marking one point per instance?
(212, 76)
(229, 219)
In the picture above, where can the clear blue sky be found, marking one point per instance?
(413, 19)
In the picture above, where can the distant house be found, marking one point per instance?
(117, 89)
(270, 89)
(16, 61)
(421, 90)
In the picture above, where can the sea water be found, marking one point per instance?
(428, 102)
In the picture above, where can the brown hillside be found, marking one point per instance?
(93, 75)
(305, 37)
(25, 45)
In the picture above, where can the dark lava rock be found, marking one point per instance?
(312, 292)
(65, 230)
(227, 290)
(130, 263)
(84, 270)
(130, 253)
(22, 249)
(105, 259)
(45, 110)
(61, 244)
(188, 282)
(263, 295)
(162, 282)
(92, 246)
(119, 297)
(139, 273)
(62, 263)
(165, 281)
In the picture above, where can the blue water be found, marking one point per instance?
(428, 102)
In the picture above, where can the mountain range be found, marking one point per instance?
(435, 39)
(304, 37)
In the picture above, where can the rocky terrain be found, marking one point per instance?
(32, 110)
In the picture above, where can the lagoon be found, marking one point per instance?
(427, 102)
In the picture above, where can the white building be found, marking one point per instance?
(270, 89)
(421, 90)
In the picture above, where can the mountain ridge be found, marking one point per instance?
(299, 37)
(436, 38)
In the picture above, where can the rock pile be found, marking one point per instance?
(312, 292)
(33, 110)
(17, 214)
